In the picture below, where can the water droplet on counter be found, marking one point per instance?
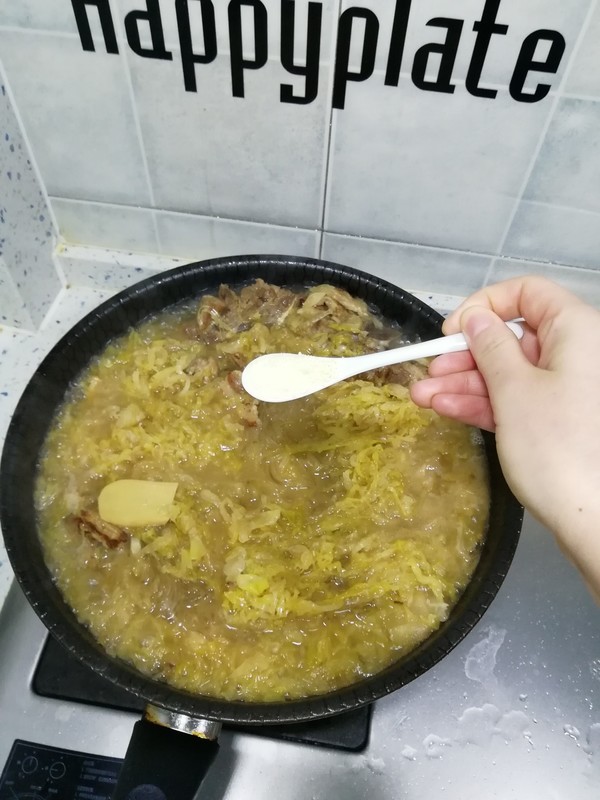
(481, 659)
(515, 725)
(571, 731)
(478, 725)
(592, 744)
(376, 765)
(399, 722)
(409, 753)
(522, 697)
(595, 668)
(434, 745)
(63, 713)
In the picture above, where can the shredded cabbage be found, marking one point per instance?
(309, 543)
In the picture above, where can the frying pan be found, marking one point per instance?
(173, 746)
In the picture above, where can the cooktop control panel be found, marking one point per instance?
(37, 772)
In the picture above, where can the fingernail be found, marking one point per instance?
(476, 320)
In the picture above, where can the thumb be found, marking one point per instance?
(494, 347)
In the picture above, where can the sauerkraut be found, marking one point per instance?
(309, 544)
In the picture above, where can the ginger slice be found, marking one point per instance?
(134, 503)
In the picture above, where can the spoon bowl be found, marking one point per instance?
(281, 377)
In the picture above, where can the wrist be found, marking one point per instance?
(578, 534)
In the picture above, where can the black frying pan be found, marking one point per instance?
(174, 709)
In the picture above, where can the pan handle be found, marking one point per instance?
(164, 763)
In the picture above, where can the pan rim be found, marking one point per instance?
(61, 621)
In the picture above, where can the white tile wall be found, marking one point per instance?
(329, 13)
(584, 282)
(584, 78)
(106, 225)
(411, 267)
(77, 112)
(211, 153)
(194, 237)
(567, 170)
(38, 15)
(558, 219)
(555, 233)
(445, 181)
(521, 19)
(189, 236)
(429, 168)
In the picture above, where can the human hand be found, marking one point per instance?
(541, 396)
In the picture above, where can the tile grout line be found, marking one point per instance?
(137, 123)
(563, 207)
(190, 215)
(52, 310)
(127, 259)
(76, 246)
(542, 138)
(57, 265)
(332, 123)
(39, 31)
(241, 220)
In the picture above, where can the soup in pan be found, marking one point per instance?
(253, 551)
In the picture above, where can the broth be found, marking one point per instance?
(309, 544)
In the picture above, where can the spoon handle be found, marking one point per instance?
(433, 347)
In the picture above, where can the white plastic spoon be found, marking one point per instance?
(279, 377)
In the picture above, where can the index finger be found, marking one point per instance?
(532, 297)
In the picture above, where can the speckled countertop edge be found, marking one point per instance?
(20, 354)
(22, 351)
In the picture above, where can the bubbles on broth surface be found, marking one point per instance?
(309, 543)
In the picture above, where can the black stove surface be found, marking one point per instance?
(59, 675)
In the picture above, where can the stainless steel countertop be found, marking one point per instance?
(513, 713)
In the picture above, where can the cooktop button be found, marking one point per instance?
(29, 765)
(57, 770)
